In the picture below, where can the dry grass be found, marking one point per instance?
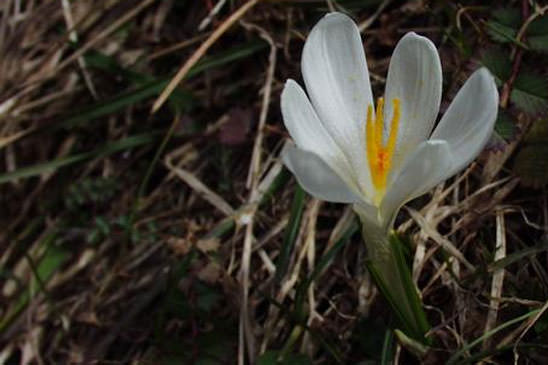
(177, 236)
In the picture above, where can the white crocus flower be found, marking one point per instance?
(377, 158)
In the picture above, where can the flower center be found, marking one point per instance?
(379, 154)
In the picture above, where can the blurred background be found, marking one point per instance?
(174, 235)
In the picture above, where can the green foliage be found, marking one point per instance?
(541, 326)
(509, 17)
(537, 34)
(90, 191)
(497, 61)
(456, 357)
(320, 267)
(530, 93)
(53, 258)
(500, 32)
(505, 23)
(273, 358)
(202, 336)
(529, 90)
(370, 335)
(291, 232)
(53, 165)
(505, 125)
(531, 163)
(517, 256)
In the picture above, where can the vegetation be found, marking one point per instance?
(138, 231)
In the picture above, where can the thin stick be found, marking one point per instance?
(498, 278)
(73, 36)
(246, 334)
(200, 52)
(204, 23)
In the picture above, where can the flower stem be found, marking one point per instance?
(391, 273)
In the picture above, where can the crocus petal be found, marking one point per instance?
(468, 122)
(415, 78)
(316, 177)
(426, 167)
(309, 133)
(337, 81)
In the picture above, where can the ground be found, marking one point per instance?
(134, 232)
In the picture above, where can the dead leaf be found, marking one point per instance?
(210, 273)
(235, 130)
(208, 245)
(179, 246)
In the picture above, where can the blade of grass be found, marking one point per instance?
(290, 233)
(454, 359)
(108, 149)
(153, 87)
(516, 256)
(387, 353)
(53, 258)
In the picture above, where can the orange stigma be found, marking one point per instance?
(379, 155)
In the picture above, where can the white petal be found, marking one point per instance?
(469, 121)
(309, 133)
(415, 78)
(316, 177)
(337, 81)
(425, 168)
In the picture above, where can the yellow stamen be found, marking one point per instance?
(370, 133)
(394, 124)
(379, 155)
(379, 123)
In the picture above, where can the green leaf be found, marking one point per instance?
(408, 284)
(505, 125)
(538, 43)
(498, 63)
(506, 22)
(271, 358)
(393, 278)
(541, 326)
(510, 17)
(531, 163)
(374, 340)
(537, 34)
(530, 93)
(290, 232)
(415, 347)
(539, 26)
(500, 32)
(503, 34)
